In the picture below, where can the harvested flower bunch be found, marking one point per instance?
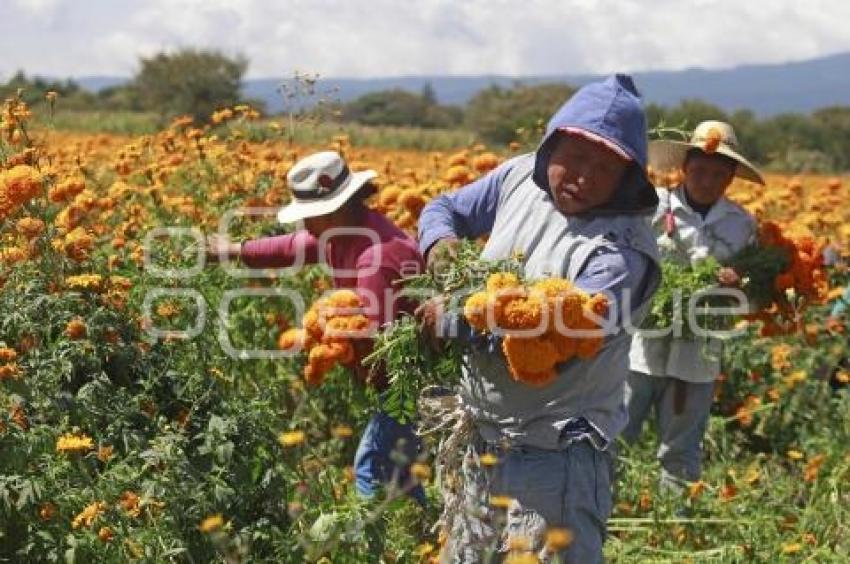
(328, 329)
(783, 276)
(546, 322)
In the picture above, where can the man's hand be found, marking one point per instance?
(441, 255)
(219, 245)
(428, 315)
(728, 278)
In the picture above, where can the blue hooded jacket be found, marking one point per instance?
(611, 109)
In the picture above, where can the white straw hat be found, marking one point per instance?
(321, 183)
(710, 137)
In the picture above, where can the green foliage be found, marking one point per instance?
(412, 364)
(501, 115)
(680, 282)
(189, 82)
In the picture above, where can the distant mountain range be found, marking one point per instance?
(767, 90)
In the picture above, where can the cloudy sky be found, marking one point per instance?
(367, 38)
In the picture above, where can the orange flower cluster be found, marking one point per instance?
(18, 185)
(804, 282)
(559, 316)
(328, 329)
(404, 199)
(9, 369)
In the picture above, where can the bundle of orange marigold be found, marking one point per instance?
(546, 322)
(326, 336)
(797, 278)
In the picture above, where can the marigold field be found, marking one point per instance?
(120, 440)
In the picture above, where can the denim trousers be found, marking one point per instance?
(386, 450)
(568, 488)
(681, 415)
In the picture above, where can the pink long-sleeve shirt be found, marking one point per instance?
(371, 263)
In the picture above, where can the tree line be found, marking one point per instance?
(198, 82)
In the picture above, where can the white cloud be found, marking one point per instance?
(387, 37)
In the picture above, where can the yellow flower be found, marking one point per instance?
(291, 438)
(211, 523)
(475, 310)
(421, 470)
(87, 516)
(502, 281)
(795, 454)
(791, 548)
(92, 282)
(70, 442)
(489, 459)
(501, 501)
(342, 432)
(795, 378)
(695, 489)
(558, 539)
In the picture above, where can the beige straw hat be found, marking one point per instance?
(710, 137)
(321, 183)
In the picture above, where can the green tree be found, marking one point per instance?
(401, 108)
(190, 82)
(501, 115)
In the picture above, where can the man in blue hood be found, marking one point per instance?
(576, 208)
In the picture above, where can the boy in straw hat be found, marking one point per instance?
(366, 253)
(674, 376)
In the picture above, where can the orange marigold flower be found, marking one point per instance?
(104, 453)
(105, 534)
(712, 140)
(47, 511)
(810, 472)
(475, 310)
(129, 502)
(30, 227)
(344, 299)
(485, 162)
(521, 313)
(291, 340)
(389, 196)
(412, 200)
(530, 360)
(76, 329)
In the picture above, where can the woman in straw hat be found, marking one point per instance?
(694, 220)
(365, 252)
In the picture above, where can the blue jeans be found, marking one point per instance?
(568, 488)
(680, 422)
(386, 450)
